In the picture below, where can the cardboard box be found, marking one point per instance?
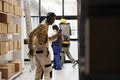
(4, 47)
(15, 44)
(17, 11)
(20, 12)
(5, 18)
(10, 45)
(6, 72)
(0, 28)
(18, 28)
(15, 2)
(5, 7)
(12, 67)
(3, 28)
(6, 0)
(11, 8)
(0, 6)
(0, 75)
(11, 1)
(11, 28)
(18, 65)
(19, 44)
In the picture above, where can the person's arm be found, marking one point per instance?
(54, 36)
(31, 40)
(31, 37)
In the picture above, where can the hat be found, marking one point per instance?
(63, 20)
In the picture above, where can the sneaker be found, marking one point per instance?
(74, 64)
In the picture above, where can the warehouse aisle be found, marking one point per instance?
(67, 73)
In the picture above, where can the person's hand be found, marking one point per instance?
(59, 32)
(30, 53)
(46, 45)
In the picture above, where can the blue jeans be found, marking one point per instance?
(56, 51)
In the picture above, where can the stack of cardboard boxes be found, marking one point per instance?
(6, 25)
(6, 46)
(8, 10)
(10, 6)
(7, 70)
(10, 68)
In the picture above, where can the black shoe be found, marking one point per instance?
(53, 66)
(57, 68)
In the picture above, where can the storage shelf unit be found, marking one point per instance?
(11, 48)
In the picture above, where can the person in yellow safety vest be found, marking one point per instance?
(65, 49)
(66, 46)
(40, 48)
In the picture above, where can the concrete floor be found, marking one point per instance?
(67, 73)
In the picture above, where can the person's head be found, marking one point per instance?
(55, 27)
(51, 18)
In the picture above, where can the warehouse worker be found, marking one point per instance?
(65, 50)
(56, 46)
(42, 56)
(66, 44)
